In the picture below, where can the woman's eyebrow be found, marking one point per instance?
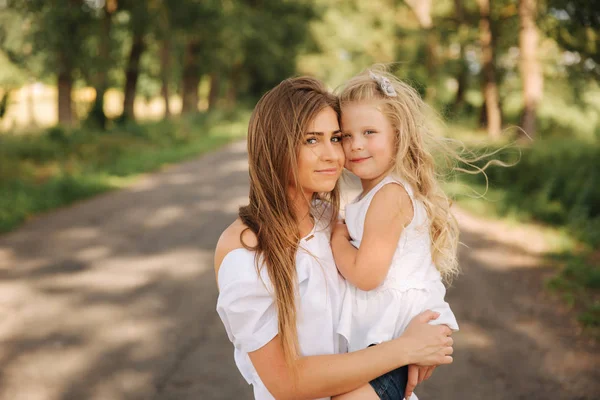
(321, 133)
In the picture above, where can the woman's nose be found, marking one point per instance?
(331, 152)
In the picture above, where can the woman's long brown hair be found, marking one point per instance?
(276, 129)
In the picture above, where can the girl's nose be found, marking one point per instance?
(357, 143)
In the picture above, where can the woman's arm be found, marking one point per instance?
(366, 267)
(329, 375)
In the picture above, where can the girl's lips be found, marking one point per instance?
(328, 171)
(358, 160)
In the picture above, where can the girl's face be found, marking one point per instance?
(321, 157)
(368, 140)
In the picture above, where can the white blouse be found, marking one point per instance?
(248, 311)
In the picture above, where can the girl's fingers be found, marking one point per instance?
(428, 315)
(429, 372)
(445, 330)
(413, 379)
(422, 373)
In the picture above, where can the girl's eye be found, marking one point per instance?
(369, 132)
(346, 136)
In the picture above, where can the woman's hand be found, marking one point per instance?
(340, 230)
(428, 345)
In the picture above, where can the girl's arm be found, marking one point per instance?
(366, 267)
(329, 375)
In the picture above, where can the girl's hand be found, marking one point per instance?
(416, 375)
(428, 345)
(340, 230)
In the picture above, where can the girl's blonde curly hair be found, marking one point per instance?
(416, 143)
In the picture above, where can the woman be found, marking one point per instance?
(280, 291)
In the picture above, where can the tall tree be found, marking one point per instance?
(191, 76)
(462, 75)
(59, 31)
(489, 84)
(164, 26)
(199, 23)
(103, 63)
(20, 65)
(531, 72)
(423, 11)
(215, 89)
(140, 21)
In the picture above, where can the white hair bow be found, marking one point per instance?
(384, 84)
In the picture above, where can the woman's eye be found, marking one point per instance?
(336, 139)
(311, 140)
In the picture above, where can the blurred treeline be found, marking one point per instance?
(496, 70)
(532, 63)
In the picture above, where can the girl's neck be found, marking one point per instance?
(368, 184)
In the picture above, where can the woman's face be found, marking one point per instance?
(321, 156)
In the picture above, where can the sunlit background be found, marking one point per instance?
(94, 93)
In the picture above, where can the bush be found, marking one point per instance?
(556, 181)
(578, 282)
(54, 168)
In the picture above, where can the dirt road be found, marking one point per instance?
(114, 298)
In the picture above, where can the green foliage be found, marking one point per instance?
(42, 172)
(575, 25)
(578, 282)
(555, 181)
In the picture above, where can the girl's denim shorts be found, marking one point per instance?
(392, 385)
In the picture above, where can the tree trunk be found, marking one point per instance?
(422, 10)
(31, 104)
(462, 76)
(131, 75)
(65, 85)
(531, 73)
(97, 113)
(489, 85)
(234, 78)
(215, 88)
(462, 81)
(164, 74)
(191, 77)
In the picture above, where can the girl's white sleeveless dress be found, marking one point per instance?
(412, 285)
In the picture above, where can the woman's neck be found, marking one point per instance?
(301, 205)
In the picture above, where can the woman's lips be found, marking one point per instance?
(328, 171)
(359, 160)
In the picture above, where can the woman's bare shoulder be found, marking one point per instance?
(231, 239)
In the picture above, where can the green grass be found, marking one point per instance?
(578, 284)
(44, 171)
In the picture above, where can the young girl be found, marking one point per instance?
(399, 238)
(279, 291)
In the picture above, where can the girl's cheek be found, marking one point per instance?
(346, 147)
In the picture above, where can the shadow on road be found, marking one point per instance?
(114, 298)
